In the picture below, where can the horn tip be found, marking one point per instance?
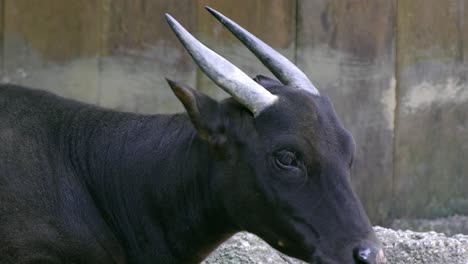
(214, 12)
(175, 26)
(209, 9)
(169, 18)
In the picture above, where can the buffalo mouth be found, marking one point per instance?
(320, 258)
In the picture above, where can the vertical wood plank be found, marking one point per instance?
(53, 45)
(140, 50)
(2, 19)
(271, 21)
(463, 28)
(432, 132)
(347, 49)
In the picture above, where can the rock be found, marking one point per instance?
(431, 247)
(401, 247)
(245, 248)
(457, 224)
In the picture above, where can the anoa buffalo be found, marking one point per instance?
(84, 184)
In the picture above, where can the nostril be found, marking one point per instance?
(363, 255)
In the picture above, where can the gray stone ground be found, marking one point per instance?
(401, 247)
(457, 224)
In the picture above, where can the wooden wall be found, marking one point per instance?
(397, 71)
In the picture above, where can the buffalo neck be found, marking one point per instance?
(151, 178)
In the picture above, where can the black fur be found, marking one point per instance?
(82, 184)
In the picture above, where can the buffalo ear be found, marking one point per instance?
(204, 112)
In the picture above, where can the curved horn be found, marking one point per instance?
(281, 67)
(245, 90)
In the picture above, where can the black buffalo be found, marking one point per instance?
(83, 184)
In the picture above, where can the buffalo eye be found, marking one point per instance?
(287, 160)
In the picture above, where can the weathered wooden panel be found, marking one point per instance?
(53, 44)
(140, 50)
(1, 39)
(347, 49)
(432, 128)
(271, 21)
(463, 27)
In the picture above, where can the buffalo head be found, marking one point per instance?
(282, 157)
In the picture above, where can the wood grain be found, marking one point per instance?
(2, 74)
